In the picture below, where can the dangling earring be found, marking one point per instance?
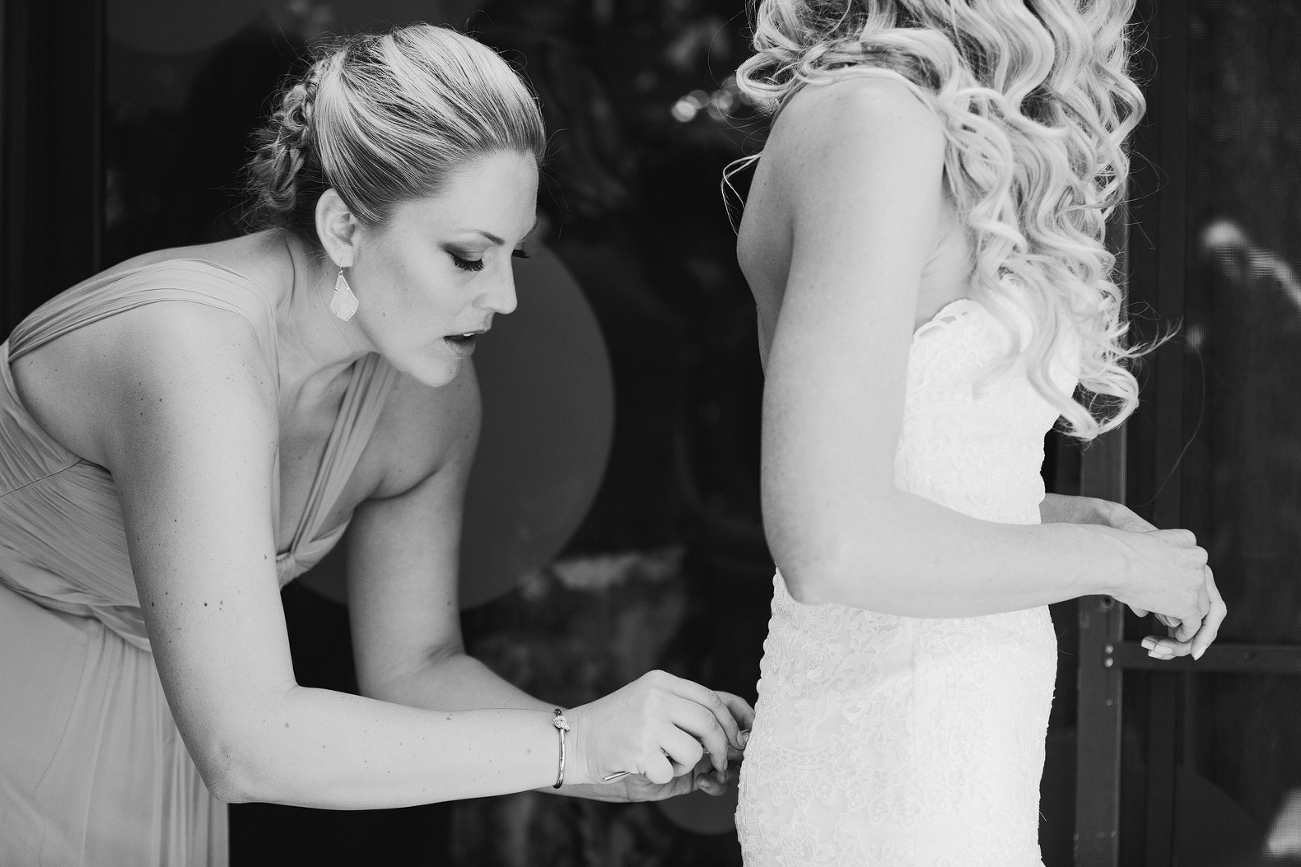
(344, 303)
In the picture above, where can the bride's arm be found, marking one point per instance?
(1065, 509)
(857, 169)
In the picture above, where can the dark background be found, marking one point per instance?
(123, 124)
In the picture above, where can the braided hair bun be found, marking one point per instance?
(382, 119)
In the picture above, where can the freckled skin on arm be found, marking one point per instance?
(184, 417)
(402, 568)
(402, 559)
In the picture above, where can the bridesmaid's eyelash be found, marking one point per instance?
(477, 264)
(466, 264)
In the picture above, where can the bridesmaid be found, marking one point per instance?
(188, 431)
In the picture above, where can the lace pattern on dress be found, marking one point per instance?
(900, 741)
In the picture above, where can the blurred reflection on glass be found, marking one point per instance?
(1242, 493)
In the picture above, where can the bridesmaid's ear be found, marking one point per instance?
(336, 226)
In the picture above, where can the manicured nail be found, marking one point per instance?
(1149, 642)
(744, 738)
(1197, 654)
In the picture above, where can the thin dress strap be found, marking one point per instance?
(203, 282)
(363, 403)
(192, 280)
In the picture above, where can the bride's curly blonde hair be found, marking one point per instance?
(1036, 101)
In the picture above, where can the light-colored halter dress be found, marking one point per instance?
(92, 768)
(898, 741)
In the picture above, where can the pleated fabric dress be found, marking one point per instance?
(92, 768)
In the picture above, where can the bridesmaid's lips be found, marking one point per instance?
(461, 345)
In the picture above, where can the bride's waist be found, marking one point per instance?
(816, 651)
(991, 474)
(973, 490)
(824, 626)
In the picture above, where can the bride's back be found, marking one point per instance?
(765, 239)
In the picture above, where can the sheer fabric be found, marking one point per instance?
(92, 768)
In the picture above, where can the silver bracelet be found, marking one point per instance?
(562, 726)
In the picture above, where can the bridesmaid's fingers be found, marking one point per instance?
(682, 750)
(711, 701)
(702, 726)
(740, 709)
(658, 769)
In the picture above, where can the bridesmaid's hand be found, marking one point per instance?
(668, 734)
(635, 787)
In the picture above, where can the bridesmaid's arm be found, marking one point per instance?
(858, 170)
(186, 416)
(190, 431)
(403, 555)
(402, 569)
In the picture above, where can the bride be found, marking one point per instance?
(923, 238)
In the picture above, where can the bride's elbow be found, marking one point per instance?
(832, 557)
(821, 574)
(826, 544)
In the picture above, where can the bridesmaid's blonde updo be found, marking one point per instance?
(383, 119)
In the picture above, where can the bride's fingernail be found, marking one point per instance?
(1149, 643)
(744, 738)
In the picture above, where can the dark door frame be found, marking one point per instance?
(51, 166)
(1141, 465)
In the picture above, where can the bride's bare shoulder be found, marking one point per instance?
(852, 113)
(826, 142)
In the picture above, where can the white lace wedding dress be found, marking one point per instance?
(884, 740)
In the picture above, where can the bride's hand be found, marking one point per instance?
(1063, 509)
(1121, 517)
(659, 728)
(1168, 575)
(1182, 641)
(1191, 636)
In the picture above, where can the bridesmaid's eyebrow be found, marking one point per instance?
(498, 241)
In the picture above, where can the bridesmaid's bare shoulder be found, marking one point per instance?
(260, 256)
